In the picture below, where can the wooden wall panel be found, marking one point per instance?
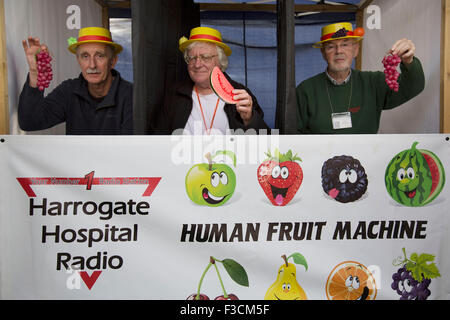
(445, 67)
(4, 105)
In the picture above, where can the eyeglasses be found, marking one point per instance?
(334, 47)
(203, 58)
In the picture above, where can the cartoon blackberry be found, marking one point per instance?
(344, 178)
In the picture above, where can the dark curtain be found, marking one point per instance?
(286, 118)
(157, 63)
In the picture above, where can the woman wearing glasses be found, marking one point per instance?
(193, 106)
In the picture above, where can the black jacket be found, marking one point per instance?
(178, 106)
(71, 102)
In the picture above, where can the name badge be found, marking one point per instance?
(341, 120)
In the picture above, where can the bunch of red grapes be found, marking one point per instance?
(390, 63)
(45, 73)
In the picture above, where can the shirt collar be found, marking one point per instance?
(337, 83)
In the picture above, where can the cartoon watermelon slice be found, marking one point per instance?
(414, 177)
(221, 86)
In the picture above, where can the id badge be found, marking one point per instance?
(341, 120)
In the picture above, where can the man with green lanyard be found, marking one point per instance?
(342, 100)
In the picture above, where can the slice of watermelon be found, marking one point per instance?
(221, 86)
(437, 174)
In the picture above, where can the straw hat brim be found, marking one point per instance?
(225, 48)
(320, 43)
(117, 47)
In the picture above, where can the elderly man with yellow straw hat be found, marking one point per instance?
(99, 101)
(192, 107)
(342, 100)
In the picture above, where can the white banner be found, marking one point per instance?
(252, 217)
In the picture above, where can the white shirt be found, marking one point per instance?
(195, 124)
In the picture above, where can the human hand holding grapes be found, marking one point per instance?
(405, 49)
(402, 51)
(38, 60)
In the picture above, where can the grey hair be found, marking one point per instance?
(221, 56)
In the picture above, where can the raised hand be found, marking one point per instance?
(405, 49)
(31, 48)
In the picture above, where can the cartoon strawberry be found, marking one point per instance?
(280, 176)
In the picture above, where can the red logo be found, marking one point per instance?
(354, 109)
(89, 181)
(90, 280)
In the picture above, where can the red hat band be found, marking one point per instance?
(95, 38)
(204, 37)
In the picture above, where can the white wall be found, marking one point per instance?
(419, 21)
(45, 19)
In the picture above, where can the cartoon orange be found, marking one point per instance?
(351, 280)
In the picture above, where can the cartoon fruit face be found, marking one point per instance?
(280, 177)
(211, 184)
(413, 278)
(286, 286)
(414, 177)
(344, 179)
(350, 280)
(409, 288)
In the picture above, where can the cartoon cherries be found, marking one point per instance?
(234, 270)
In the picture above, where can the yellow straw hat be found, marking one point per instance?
(335, 31)
(94, 35)
(204, 34)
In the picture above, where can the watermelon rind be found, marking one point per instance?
(216, 86)
(441, 171)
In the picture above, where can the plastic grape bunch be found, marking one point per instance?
(390, 63)
(45, 73)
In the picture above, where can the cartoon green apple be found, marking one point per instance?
(211, 184)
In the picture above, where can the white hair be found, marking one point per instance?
(221, 56)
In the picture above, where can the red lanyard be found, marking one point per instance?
(203, 116)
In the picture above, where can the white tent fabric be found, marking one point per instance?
(49, 20)
(419, 21)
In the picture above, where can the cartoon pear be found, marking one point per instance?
(286, 286)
